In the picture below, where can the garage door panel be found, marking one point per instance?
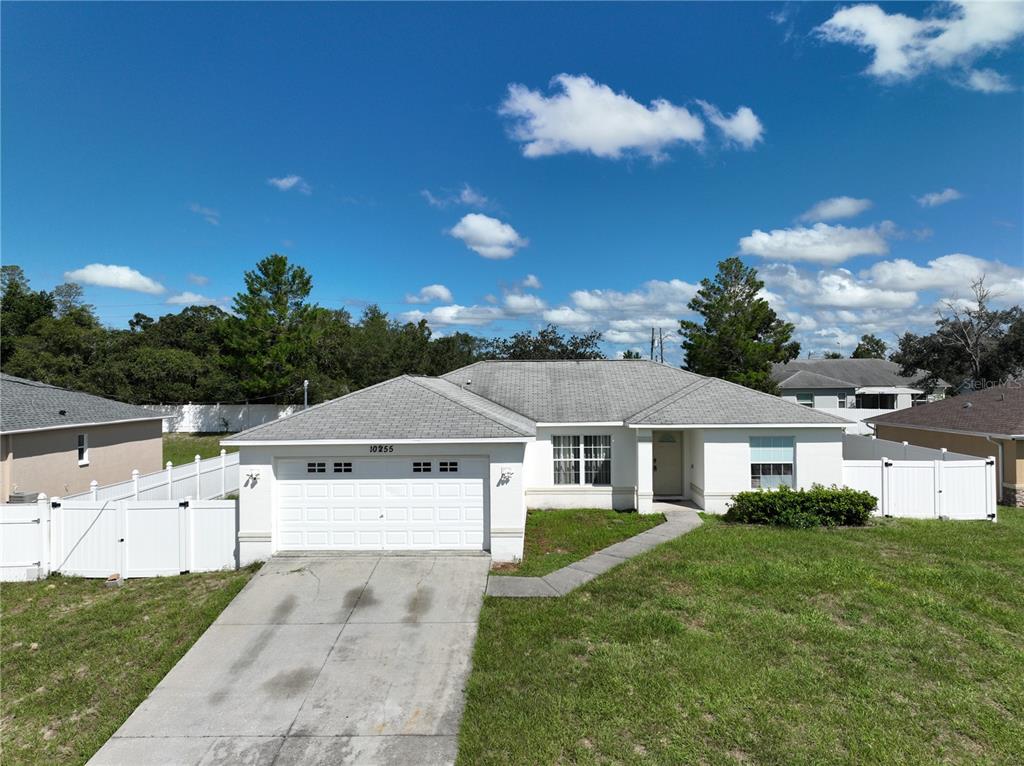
(379, 504)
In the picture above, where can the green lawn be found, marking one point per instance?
(183, 448)
(78, 657)
(557, 538)
(899, 643)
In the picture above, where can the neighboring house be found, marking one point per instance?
(455, 461)
(985, 423)
(855, 389)
(56, 441)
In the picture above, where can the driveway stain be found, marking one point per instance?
(291, 683)
(418, 604)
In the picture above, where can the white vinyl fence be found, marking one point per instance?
(219, 418)
(203, 479)
(147, 538)
(918, 482)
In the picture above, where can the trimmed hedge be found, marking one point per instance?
(803, 508)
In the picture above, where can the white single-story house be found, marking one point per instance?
(454, 462)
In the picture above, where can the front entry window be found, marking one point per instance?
(567, 459)
(771, 461)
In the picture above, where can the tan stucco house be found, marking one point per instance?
(56, 441)
(985, 423)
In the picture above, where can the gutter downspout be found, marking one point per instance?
(999, 468)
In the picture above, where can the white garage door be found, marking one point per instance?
(347, 503)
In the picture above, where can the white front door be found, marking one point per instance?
(668, 464)
(392, 503)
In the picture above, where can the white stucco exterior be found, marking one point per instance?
(714, 465)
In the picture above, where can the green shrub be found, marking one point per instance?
(802, 508)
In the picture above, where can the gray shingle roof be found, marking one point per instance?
(401, 408)
(855, 373)
(714, 401)
(996, 410)
(27, 405)
(501, 400)
(595, 391)
(808, 379)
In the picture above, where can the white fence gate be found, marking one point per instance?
(207, 479)
(925, 484)
(89, 538)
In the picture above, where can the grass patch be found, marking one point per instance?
(78, 657)
(897, 643)
(183, 448)
(560, 537)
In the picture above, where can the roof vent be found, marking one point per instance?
(469, 381)
(62, 412)
(967, 405)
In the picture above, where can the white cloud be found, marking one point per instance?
(455, 314)
(589, 117)
(109, 275)
(934, 199)
(523, 303)
(569, 317)
(208, 214)
(532, 282)
(742, 128)
(488, 236)
(191, 299)
(820, 243)
(287, 183)
(467, 196)
(988, 81)
(197, 279)
(656, 295)
(904, 47)
(431, 294)
(955, 271)
(838, 288)
(836, 207)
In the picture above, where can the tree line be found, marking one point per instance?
(273, 339)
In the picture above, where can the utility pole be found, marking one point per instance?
(305, 394)
(652, 344)
(661, 344)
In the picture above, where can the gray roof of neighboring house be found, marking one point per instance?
(401, 408)
(808, 379)
(996, 410)
(502, 400)
(27, 405)
(851, 373)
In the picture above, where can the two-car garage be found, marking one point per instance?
(381, 503)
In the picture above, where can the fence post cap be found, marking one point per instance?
(94, 483)
(223, 451)
(135, 472)
(41, 496)
(198, 459)
(169, 464)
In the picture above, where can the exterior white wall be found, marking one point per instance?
(818, 453)
(823, 397)
(504, 521)
(219, 418)
(539, 474)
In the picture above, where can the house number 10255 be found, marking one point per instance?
(382, 448)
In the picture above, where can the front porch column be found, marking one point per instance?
(644, 472)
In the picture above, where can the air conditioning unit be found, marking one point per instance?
(22, 496)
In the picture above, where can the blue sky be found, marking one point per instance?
(583, 164)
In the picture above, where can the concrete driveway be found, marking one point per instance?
(320, 659)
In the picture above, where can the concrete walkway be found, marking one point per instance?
(325, 659)
(679, 520)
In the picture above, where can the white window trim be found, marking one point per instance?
(581, 460)
(82, 449)
(805, 395)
